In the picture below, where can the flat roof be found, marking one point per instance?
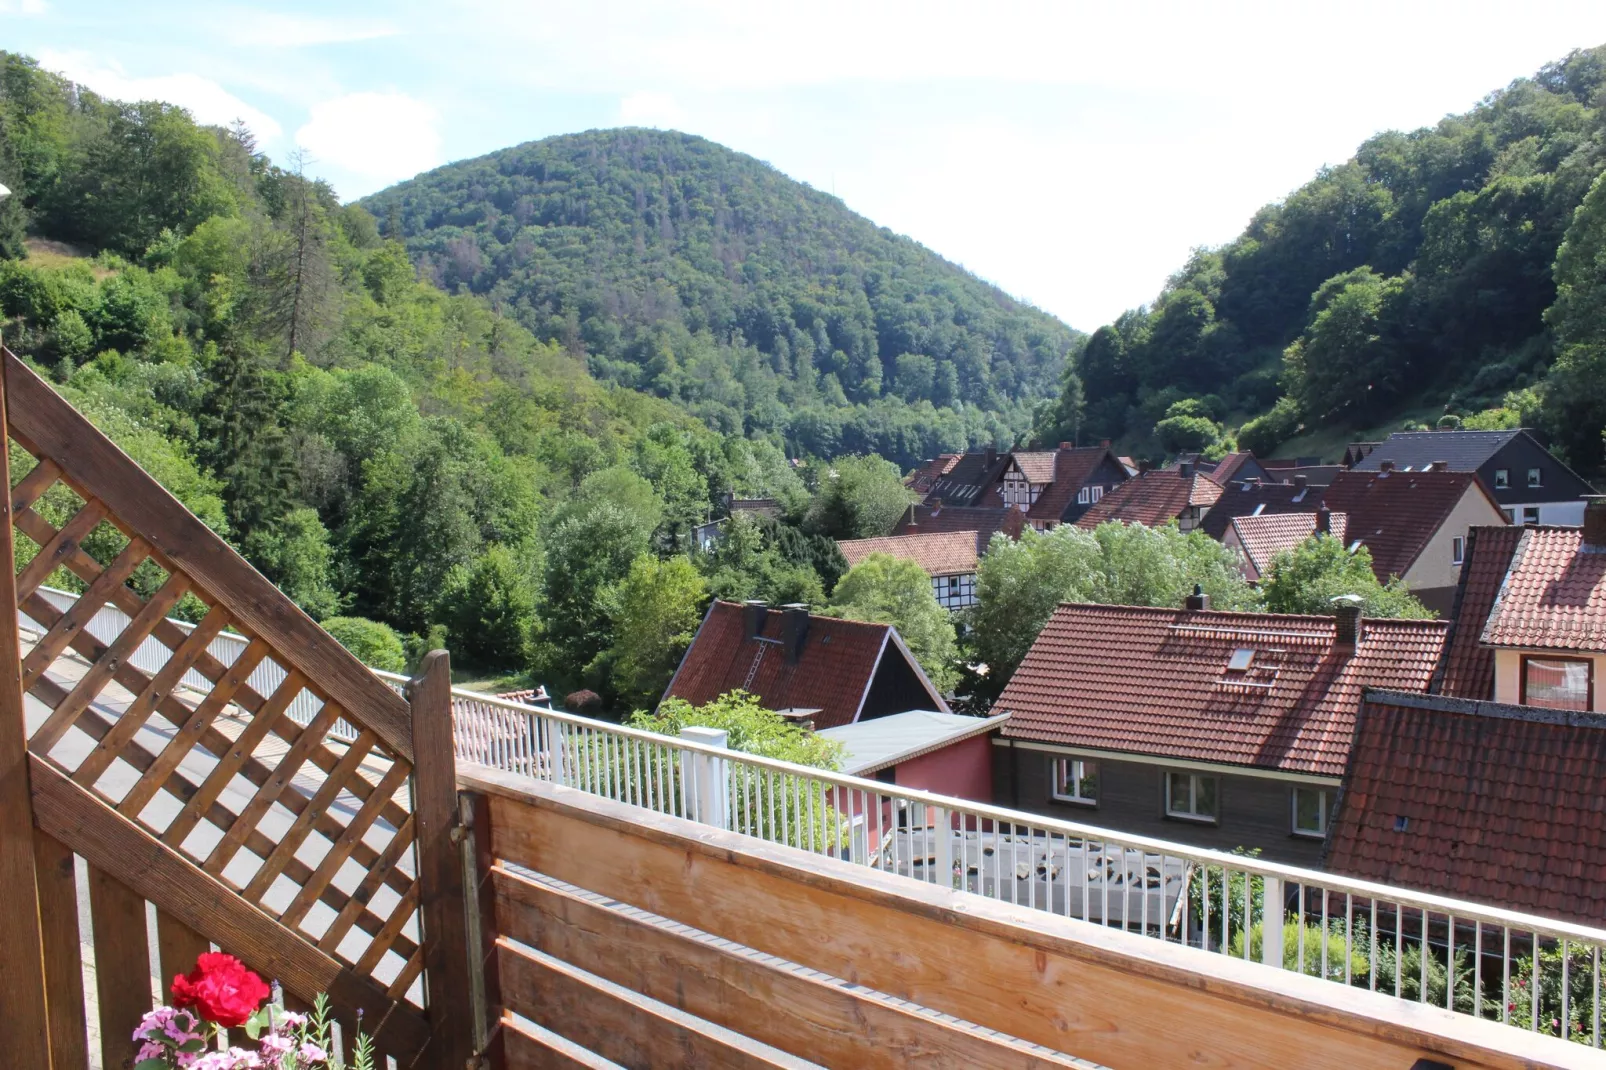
(882, 741)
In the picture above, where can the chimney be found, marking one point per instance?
(1066, 446)
(1439, 466)
(1385, 466)
(794, 630)
(1198, 601)
(992, 456)
(936, 506)
(1104, 443)
(1347, 622)
(754, 611)
(1185, 469)
(1301, 481)
(1324, 521)
(1595, 523)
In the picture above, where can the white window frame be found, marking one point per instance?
(1324, 806)
(1502, 478)
(1458, 549)
(1534, 509)
(1192, 813)
(1536, 477)
(1060, 770)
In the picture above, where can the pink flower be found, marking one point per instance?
(311, 1053)
(274, 1045)
(149, 1050)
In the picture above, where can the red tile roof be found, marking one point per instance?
(1264, 537)
(1152, 498)
(1155, 682)
(1467, 669)
(940, 553)
(921, 479)
(1554, 596)
(1245, 499)
(983, 522)
(1036, 465)
(1223, 471)
(832, 673)
(1500, 804)
(1071, 470)
(1396, 514)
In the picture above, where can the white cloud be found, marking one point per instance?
(651, 109)
(208, 101)
(377, 137)
(273, 29)
(23, 7)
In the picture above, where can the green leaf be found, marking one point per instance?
(151, 1064)
(193, 1045)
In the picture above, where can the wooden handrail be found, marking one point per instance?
(1093, 992)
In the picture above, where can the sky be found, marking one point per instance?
(1073, 153)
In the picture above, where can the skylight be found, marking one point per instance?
(1261, 508)
(1240, 659)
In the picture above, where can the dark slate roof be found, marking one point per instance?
(832, 673)
(1463, 451)
(1467, 669)
(1478, 800)
(1396, 514)
(1245, 498)
(923, 519)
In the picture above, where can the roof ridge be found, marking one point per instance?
(1179, 611)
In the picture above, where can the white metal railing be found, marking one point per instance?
(1476, 959)
(1463, 956)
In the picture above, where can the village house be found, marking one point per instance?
(1213, 728)
(946, 753)
(1414, 524)
(1485, 801)
(1157, 497)
(948, 557)
(819, 671)
(1253, 498)
(1046, 487)
(1467, 668)
(1529, 483)
(1260, 538)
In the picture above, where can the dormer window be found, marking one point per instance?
(1536, 477)
(1502, 478)
(1241, 659)
(1261, 508)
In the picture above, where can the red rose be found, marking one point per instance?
(220, 989)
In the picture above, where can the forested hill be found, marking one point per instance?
(680, 267)
(1453, 273)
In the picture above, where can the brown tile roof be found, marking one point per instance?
(940, 553)
(1264, 537)
(1499, 804)
(1554, 596)
(1467, 668)
(1152, 498)
(983, 522)
(1240, 499)
(1396, 514)
(921, 479)
(1036, 466)
(1155, 682)
(1223, 471)
(970, 481)
(832, 674)
(1072, 469)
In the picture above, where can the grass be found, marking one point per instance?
(1329, 442)
(46, 253)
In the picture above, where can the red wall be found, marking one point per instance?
(963, 770)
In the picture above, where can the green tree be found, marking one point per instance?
(860, 498)
(752, 729)
(1018, 583)
(655, 611)
(1308, 578)
(376, 645)
(298, 558)
(586, 555)
(1350, 358)
(896, 591)
(489, 609)
(1187, 427)
(1575, 394)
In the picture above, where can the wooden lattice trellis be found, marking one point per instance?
(341, 848)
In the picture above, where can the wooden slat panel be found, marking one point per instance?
(341, 849)
(1101, 994)
(157, 872)
(177, 948)
(63, 626)
(783, 1008)
(68, 539)
(524, 1049)
(32, 485)
(24, 1034)
(440, 862)
(64, 969)
(292, 839)
(52, 429)
(122, 962)
(617, 1024)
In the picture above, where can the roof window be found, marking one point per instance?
(1241, 659)
(1260, 508)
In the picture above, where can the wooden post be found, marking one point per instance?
(24, 1036)
(442, 901)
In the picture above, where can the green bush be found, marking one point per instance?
(376, 645)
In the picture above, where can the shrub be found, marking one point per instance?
(376, 645)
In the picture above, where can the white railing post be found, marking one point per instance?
(944, 846)
(1271, 923)
(705, 778)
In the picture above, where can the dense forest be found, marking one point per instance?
(682, 268)
(1452, 274)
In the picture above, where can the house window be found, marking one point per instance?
(1511, 515)
(1458, 549)
(1502, 478)
(1075, 780)
(956, 591)
(1311, 808)
(1191, 796)
(1089, 495)
(1530, 514)
(1536, 477)
(1018, 494)
(1558, 683)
